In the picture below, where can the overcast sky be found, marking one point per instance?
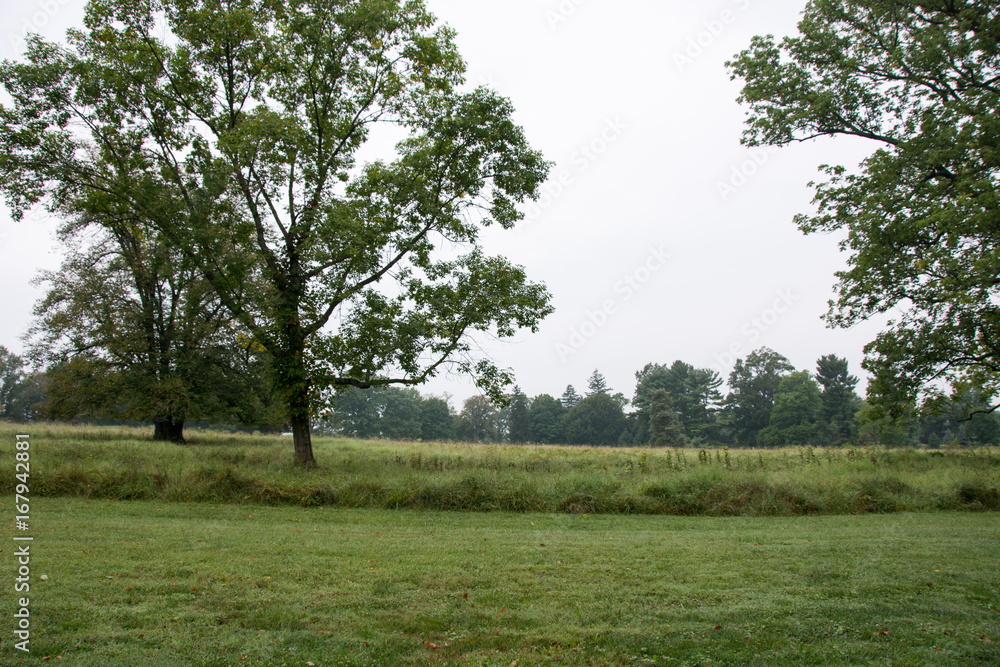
(659, 236)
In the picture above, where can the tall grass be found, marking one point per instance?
(124, 463)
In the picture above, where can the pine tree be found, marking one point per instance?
(597, 384)
(570, 398)
(665, 428)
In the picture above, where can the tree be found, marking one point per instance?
(546, 414)
(520, 419)
(596, 420)
(840, 403)
(753, 384)
(570, 398)
(596, 384)
(665, 428)
(478, 421)
(128, 330)
(693, 392)
(437, 419)
(919, 217)
(794, 417)
(11, 377)
(252, 115)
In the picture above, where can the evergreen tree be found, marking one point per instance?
(520, 418)
(11, 376)
(570, 398)
(665, 428)
(597, 384)
(694, 393)
(840, 403)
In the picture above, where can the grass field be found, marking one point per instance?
(123, 464)
(223, 553)
(153, 583)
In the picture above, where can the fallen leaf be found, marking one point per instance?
(465, 596)
(718, 627)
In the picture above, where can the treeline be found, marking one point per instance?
(769, 404)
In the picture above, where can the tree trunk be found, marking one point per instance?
(302, 440)
(169, 430)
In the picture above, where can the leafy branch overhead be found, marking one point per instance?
(920, 217)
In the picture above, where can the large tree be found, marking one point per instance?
(129, 330)
(255, 113)
(920, 216)
(753, 384)
(596, 420)
(795, 415)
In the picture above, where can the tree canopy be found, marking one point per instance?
(245, 120)
(920, 217)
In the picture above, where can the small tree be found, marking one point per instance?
(437, 419)
(665, 428)
(519, 429)
(840, 403)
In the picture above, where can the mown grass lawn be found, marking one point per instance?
(157, 583)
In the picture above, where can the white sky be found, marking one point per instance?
(647, 260)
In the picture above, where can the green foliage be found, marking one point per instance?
(21, 394)
(519, 429)
(840, 402)
(693, 392)
(570, 398)
(665, 427)
(920, 216)
(546, 414)
(753, 384)
(437, 420)
(596, 420)
(795, 415)
(244, 135)
(478, 420)
(596, 384)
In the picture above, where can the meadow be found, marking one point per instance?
(221, 552)
(124, 464)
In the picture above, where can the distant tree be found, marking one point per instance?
(840, 402)
(11, 377)
(546, 415)
(570, 398)
(596, 384)
(753, 384)
(401, 414)
(596, 420)
(917, 81)
(28, 398)
(520, 418)
(795, 415)
(437, 420)
(478, 420)
(128, 330)
(665, 427)
(694, 394)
